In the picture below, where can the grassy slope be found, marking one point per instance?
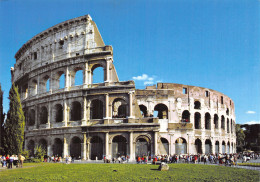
(127, 172)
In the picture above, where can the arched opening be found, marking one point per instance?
(162, 110)
(216, 121)
(142, 146)
(227, 125)
(30, 147)
(96, 109)
(217, 147)
(231, 147)
(43, 115)
(207, 121)
(198, 146)
(197, 118)
(223, 147)
(222, 122)
(57, 147)
(75, 113)
(180, 146)
(62, 81)
(75, 148)
(119, 107)
(228, 148)
(197, 105)
(164, 146)
(58, 113)
(232, 125)
(76, 77)
(98, 74)
(143, 110)
(96, 148)
(43, 144)
(185, 116)
(31, 121)
(47, 85)
(119, 146)
(227, 111)
(208, 147)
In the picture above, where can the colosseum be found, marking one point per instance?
(92, 120)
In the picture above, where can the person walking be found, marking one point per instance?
(21, 159)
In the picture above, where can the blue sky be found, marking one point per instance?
(208, 43)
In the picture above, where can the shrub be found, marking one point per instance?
(39, 153)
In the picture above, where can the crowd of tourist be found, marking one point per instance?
(10, 161)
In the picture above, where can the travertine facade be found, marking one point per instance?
(110, 118)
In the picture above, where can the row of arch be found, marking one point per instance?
(58, 80)
(161, 111)
(120, 109)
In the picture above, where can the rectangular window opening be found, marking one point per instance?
(206, 93)
(35, 55)
(184, 90)
(222, 101)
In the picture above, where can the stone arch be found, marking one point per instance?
(96, 109)
(96, 148)
(162, 110)
(197, 118)
(75, 112)
(143, 110)
(43, 144)
(58, 113)
(75, 147)
(119, 108)
(93, 68)
(142, 145)
(228, 147)
(58, 80)
(30, 147)
(43, 115)
(76, 74)
(45, 84)
(180, 146)
(163, 146)
(222, 122)
(216, 121)
(208, 146)
(197, 105)
(57, 147)
(223, 147)
(119, 146)
(31, 120)
(216, 147)
(33, 87)
(232, 125)
(198, 146)
(207, 121)
(227, 111)
(185, 116)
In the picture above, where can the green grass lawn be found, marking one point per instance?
(126, 172)
(249, 164)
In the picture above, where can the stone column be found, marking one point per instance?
(107, 107)
(67, 79)
(36, 117)
(131, 104)
(131, 145)
(203, 146)
(49, 149)
(89, 78)
(84, 147)
(213, 146)
(65, 147)
(107, 144)
(155, 143)
(85, 84)
(65, 112)
(108, 71)
(50, 83)
(49, 116)
(84, 118)
(172, 151)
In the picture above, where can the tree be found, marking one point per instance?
(14, 125)
(2, 116)
(240, 138)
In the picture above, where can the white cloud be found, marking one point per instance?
(143, 77)
(148, 82)
(253, 122)
(250, 112)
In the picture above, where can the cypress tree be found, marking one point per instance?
(1, 120)
(14, 125)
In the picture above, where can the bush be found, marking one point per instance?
(33, 160)
(25, 153)
(39, 153)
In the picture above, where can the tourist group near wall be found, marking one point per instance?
(68, 114)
